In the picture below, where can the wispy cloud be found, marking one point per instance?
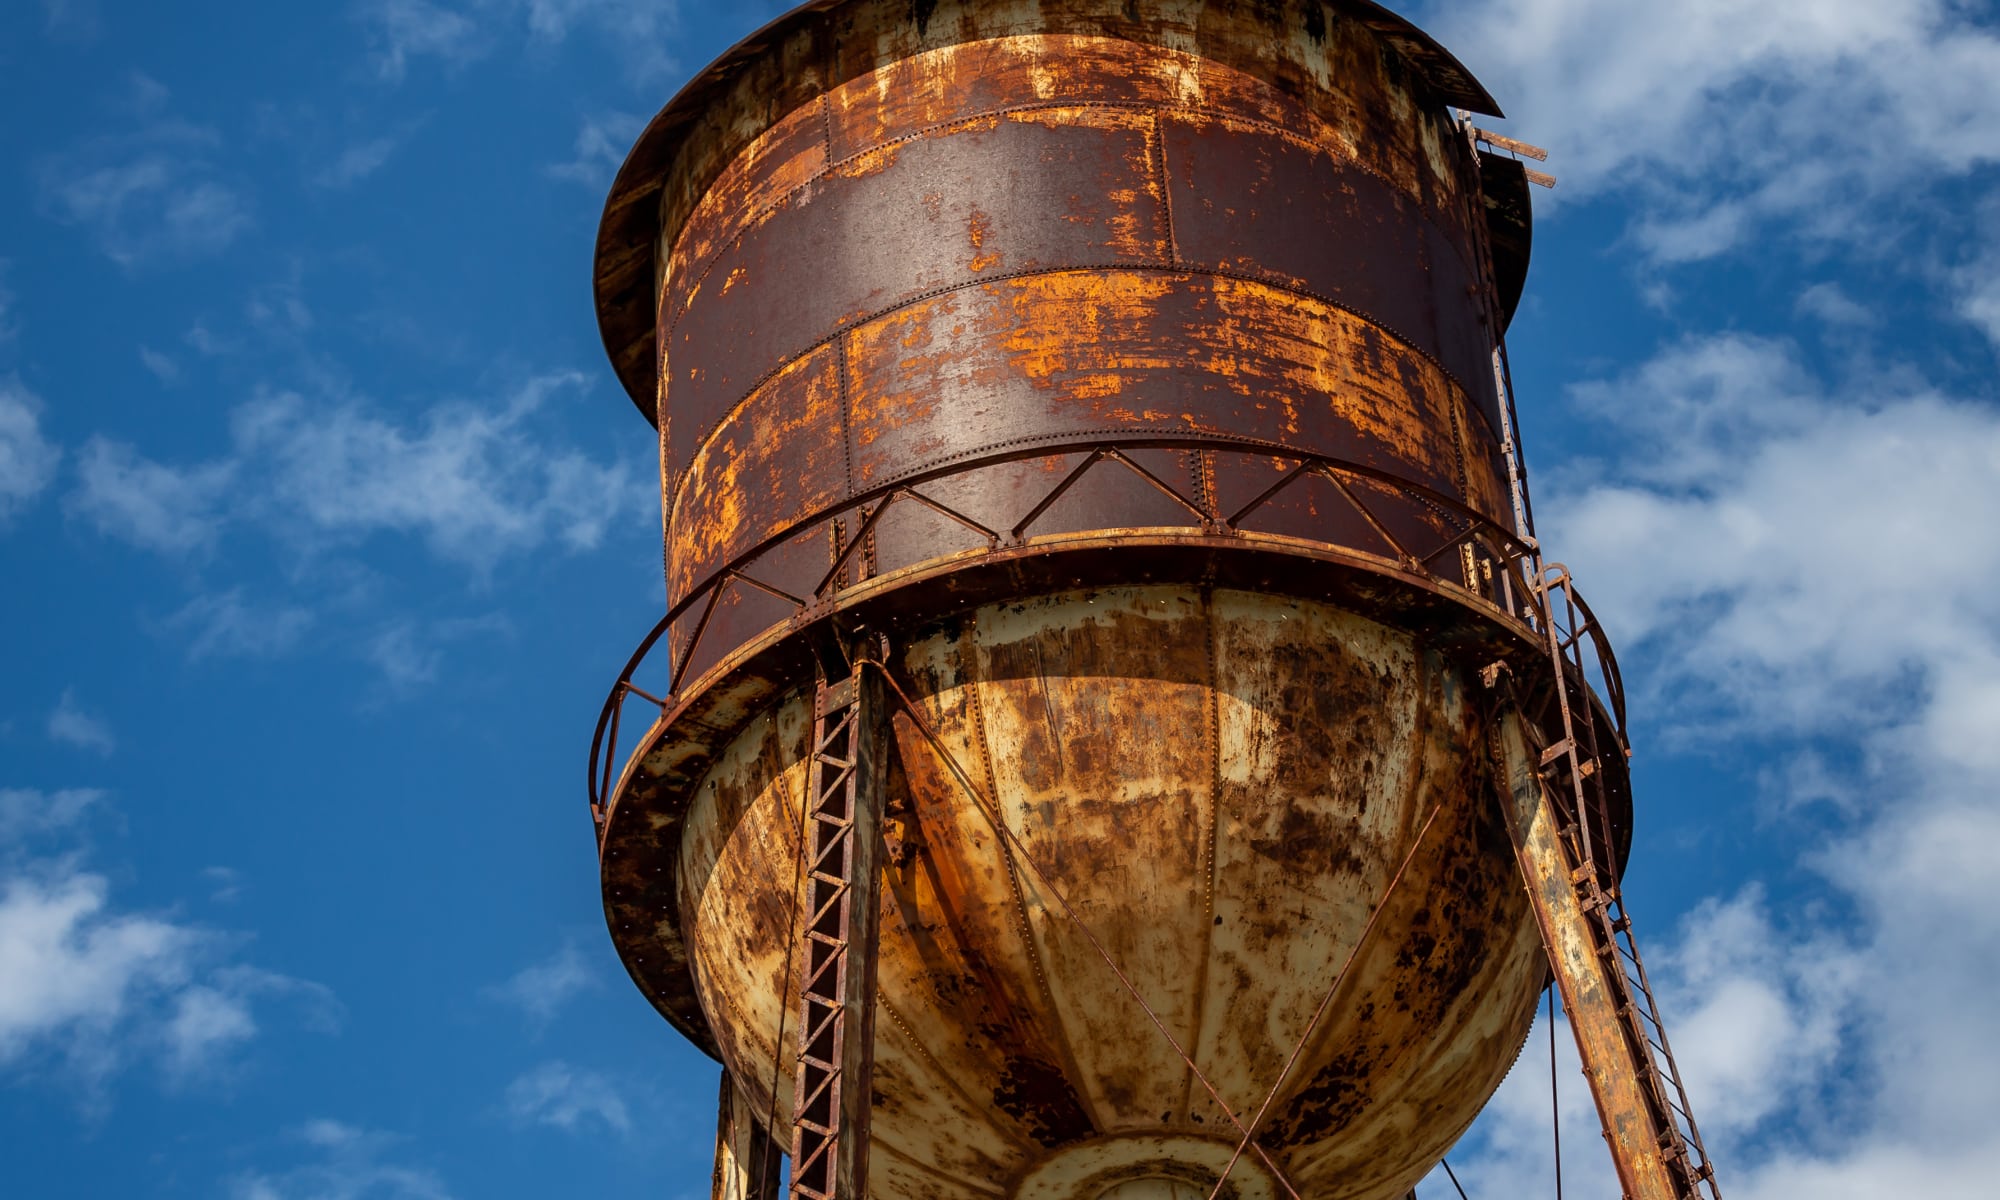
(157, 193)
(472, 482)
(601, 143)
(402, 31)
(348, 1163)
(410, 653)
(175, 511)
(357, 162)
(71, 20)
(26, 814)
(225, 625)
(641, 32)
(567, 1098)
(27, 459)
(476, 484)
(1830, 304)
(162, 366)
(542, 989)
(71, 725)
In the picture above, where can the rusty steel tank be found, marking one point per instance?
(1126, 369)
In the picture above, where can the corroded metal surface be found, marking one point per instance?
(1046, 241)
(1296, 47)
(1130, 368)
(1587, 999)
(1221, 783)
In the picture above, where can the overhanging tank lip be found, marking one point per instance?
(629, 227)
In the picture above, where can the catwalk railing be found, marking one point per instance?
(1472, 559)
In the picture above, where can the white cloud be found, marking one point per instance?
(87, 989)
(639, 31)
(349, 1164)
(27, 459)
(228, 626)
(567, 1098)
(163, 367)
(357, 163)
(1831, 305)
(1811, 568)
(76, 971)
(601, 143)
(475, 483)
(156, 194)
(175, 511)
(1976, 281)
(71, 725)
(407, 662)
(1802, 554)
(25, 813)
(1728, 118)
(403, 30)
(410, 653)
(542, 989)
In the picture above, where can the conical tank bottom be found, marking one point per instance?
(1221, 786)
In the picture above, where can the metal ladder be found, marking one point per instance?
(829, 1147)
(1590, 849)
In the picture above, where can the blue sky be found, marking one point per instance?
(324, 529)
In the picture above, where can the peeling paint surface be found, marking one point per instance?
(975, 301)
(1221, 784)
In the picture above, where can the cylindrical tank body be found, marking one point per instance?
(1121, 362)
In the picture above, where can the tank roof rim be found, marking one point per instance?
(637, 180)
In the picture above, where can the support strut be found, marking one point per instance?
(1647, 1123)
(746, 1164)
(837, 993)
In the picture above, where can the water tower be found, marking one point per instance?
(1113, 735)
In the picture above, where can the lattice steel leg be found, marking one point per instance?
(746, 1163)
(837, 1000)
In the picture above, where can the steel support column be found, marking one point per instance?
(837, 996)
(746, 1163)
(1644, 1151)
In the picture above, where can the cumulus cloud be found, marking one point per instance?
(540, 990)
(1808, 564)
(91, 988)
(77, 971)
(1725, 119)
(71, 725)
(27, 459)
(567, 1098)
(347, 1163)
